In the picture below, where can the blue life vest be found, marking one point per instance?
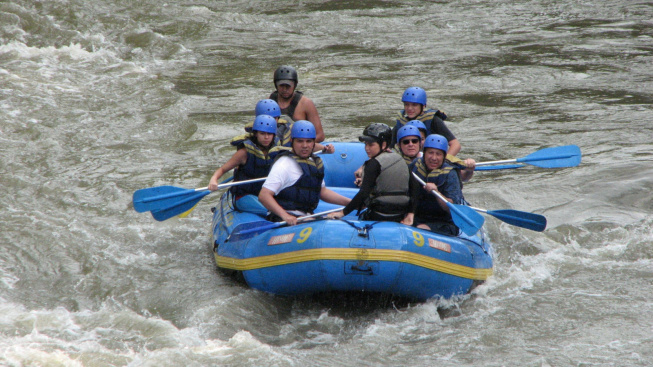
(426, 117)
(428, 207)
(304, 194)
(258, 164)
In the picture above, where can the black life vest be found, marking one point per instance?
(290, 110)
(304, 194)
(258, 165)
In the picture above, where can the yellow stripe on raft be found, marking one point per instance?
(353, 254)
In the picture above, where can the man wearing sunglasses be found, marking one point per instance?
(410, 143)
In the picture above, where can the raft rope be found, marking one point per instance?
(363, 231)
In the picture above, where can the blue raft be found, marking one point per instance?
(348, 255)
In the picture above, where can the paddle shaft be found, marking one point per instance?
(183, 192)
(554, 157)
(312, 216)
(237, 235)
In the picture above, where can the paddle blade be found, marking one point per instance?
(158, 198)
(532, 221)
(248, 230)
(182, 205)
(187, 213)
(466, 218)
(555, 157)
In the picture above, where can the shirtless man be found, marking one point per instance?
(292, 102)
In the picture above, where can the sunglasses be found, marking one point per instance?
(408, 141)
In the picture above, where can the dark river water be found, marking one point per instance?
(101, 98)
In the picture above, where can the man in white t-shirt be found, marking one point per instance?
(295, 183)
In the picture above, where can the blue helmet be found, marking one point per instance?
(418, 124)
(267, 107)
(408, 130)
(302, 129)
(436, 141)
(415, 95)
(265, 123)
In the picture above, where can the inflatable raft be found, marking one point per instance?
(345, 255)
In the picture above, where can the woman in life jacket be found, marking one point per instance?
(253, 158)
(284, 126)
(414, 100)
(386, 186)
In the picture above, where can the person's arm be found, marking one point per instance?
(467, 173)
(266, 197)
(326, 149)
(371, 170)
(333, 197)
(415, 190)
(451, 188)
(239, 158)
(454, 147)
(310, 111)
(358, 176)
(431, 187)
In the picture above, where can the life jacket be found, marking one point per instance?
(390, 195)
(426, 117)
(304, 194)
(258, 165)
(283, 131)
(428, 207)
(290, 110)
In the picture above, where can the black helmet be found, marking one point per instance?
(377, 132)
(285, 72)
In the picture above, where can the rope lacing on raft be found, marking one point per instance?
(362, 231)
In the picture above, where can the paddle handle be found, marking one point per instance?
(506, 161)
(279, 224)
(234, 183)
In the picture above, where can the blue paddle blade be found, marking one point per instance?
(180, 206)
(498, 167)
(159, 198)
(532, 221)
(554, 157)
(244, 231)
(466, 218)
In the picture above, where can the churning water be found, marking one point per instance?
(101, 98)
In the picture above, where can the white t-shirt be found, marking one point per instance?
(284, 173)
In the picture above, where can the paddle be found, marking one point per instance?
(247, 230)
(498, 167)
(532, 221)
(554, 157)
(463, 216)
(168, 201)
